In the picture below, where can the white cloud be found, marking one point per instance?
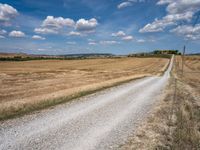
(45, 31)
(17, 34)
(183, 6)
(7, 12)
(192, 37)
(91, 40)
(119, 34)
(156, 26)
(37, 37)
(169, 20)
(129, 3)
(108, 42)
(52, 25)
(87, 26)
(57, 23)
(74, 33)
(124, 5)
(3, 32)
(128, 38)
(41, 49)
(178, 10)
(187, 16)
(123, 36)
(163, 2)
(141, 41)
(188, 31)
(92, 43)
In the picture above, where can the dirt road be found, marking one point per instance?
(100, 121)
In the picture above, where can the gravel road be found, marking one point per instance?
(99, 121)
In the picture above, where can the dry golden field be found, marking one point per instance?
(191, 71)
(175, 121)
(29, 85)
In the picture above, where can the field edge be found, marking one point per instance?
(30, 108)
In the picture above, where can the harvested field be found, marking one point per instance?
(34, 84)
(175, 121)
(191, 71)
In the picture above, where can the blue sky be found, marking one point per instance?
(98, 26)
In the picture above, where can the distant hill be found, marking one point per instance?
(89, 55)
(13, 55)
(25, 57)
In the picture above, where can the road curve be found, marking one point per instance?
(99, 121)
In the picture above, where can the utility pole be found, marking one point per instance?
(183, 59)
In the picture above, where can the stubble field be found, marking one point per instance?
(30, 85)
(191, 71)
(175, 121)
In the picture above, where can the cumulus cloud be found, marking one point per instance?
(128, 3)
(182, 6)
(7, 12)
(122, 35)
(108, 42)
(157, 25)
(74, 33)
(84, 25)
(53, 25)
(45, 31)
(180, 10)
(17, 34)
(188, 31)
(171, 19)
(124, 5)
(128, 38)
(119, 34)
(38, 37)
(163, 2)
(59, 22)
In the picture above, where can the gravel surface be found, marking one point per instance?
(102, 120)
